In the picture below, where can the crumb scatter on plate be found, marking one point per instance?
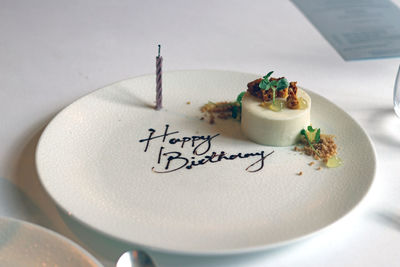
(222, 110)
(324, 149)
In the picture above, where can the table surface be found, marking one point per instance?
(53, 52)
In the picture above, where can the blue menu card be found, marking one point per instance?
(357, 29)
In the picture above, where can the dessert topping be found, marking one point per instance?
(267, 84)
(292, 101)
(320, 146)
(269, 88)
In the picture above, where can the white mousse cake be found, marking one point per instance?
(272, 128)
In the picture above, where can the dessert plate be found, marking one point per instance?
(146, 176)
(26, 244)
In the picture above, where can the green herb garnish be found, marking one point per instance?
(264, 84)
(237, 109)
(240, 97)
(275, 85)
(312, 136)
(315, 135)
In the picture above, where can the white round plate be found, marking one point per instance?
(91, 161)
(27, 244)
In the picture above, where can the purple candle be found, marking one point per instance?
(159, 60)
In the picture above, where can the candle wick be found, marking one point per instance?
(159, 48)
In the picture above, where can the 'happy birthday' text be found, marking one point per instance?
(200, 155)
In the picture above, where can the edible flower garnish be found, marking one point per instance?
(274, 85)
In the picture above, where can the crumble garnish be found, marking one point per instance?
(319, 146)
(222, 110)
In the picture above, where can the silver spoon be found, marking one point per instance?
(135, 258)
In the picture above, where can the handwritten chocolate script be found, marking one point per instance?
(170, 161)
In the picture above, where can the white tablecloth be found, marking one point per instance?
(53, 52)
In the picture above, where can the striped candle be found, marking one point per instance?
(159, 60)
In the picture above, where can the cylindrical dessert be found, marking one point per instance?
(272, 128)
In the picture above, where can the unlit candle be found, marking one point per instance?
(159, 60)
